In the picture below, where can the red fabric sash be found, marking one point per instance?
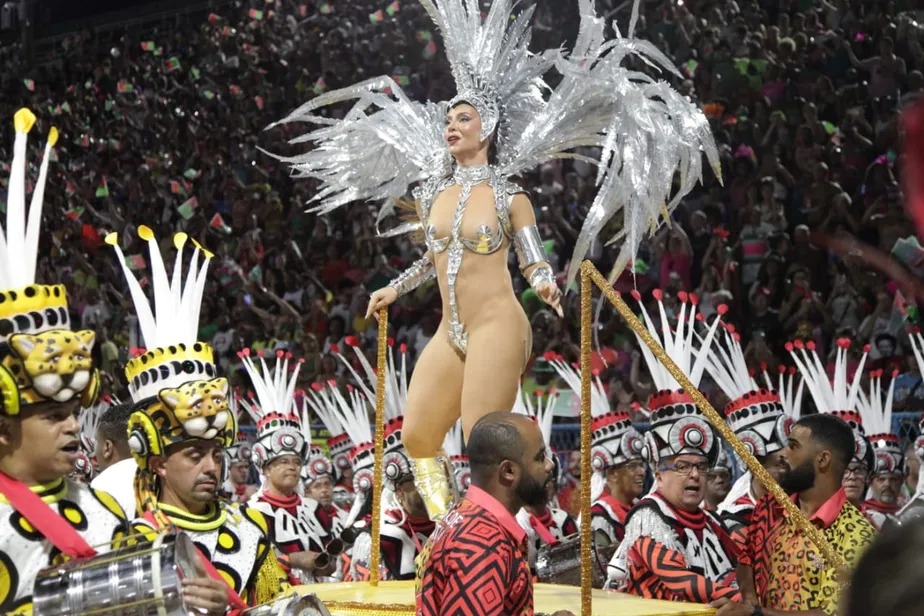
(547, 537)
(234, 599)
(45, 519)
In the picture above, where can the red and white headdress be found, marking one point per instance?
(351, 413)
(279, 427)
(755, 414)
(339, 443)
(677, 426)
(613, 439)
(840, 397)
(888, 454)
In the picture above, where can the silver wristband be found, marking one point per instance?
(529, 246)
(541, 275)
(418, 273)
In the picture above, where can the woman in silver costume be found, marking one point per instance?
(472, 366)
(505, 120)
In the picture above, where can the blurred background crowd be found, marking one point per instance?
(163, 121)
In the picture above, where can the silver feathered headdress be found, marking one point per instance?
(645, 131)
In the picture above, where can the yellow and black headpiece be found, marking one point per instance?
(41, 358)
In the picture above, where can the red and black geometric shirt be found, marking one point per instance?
(475, 563)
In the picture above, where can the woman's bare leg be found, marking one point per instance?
(497, 355)
(433, 403)
(433, 398)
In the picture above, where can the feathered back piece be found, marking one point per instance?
(645, 131)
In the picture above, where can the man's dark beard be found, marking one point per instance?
(798, 479)
(533, 493)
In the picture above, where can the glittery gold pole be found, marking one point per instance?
(795, 514)
(588, 558)
(381, 369)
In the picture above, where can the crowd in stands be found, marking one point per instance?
(164, 127)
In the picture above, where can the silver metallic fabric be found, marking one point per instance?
(540, 276)
(418, 273)
(635, 128)
(530, 248)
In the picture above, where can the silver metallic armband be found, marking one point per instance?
(418, 273)
(541, 275)
(529, 246)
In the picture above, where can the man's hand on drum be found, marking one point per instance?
(382, 298)
(205, 595)
(551, 295)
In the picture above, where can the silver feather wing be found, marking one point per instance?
(645, 130)
(383, 145)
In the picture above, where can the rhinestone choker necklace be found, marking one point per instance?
(471, 175)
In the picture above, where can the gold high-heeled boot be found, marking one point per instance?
(433, 479)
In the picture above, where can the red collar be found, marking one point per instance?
(694, 520)
(829, 511)
(615, 504)
(874, 505)
(281, 501)
(500, 513)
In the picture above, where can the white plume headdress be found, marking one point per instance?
(170, 330)
(280, 429)
(876, 411)
(614, 440)
(840, 396)
(755, 414)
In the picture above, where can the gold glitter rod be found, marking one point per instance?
(381, 368)
(794, 513)
(588, 558)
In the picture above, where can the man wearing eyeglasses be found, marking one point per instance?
(673, 549)
(781, 571)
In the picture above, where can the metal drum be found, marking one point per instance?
(134, 581)
(305, 605)
(561, 563)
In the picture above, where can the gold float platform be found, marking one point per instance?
(397, 598)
